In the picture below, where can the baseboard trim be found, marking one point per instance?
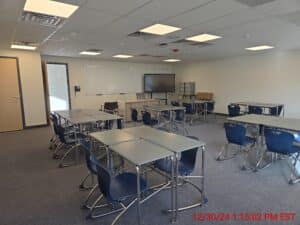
(36, 126)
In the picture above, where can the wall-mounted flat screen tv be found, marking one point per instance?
(159, 83)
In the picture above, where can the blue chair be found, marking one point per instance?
(186, 166)
(117, 191)
(91, 163)
(236, 135)
(210, 107)
(180, 120)
(148, 120)
(54, 140)
(175, 103)
(282, 142)
(189, 110)
(276, 111)
(234, 110)
(254, 110)
(69, 144)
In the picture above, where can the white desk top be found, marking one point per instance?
(172, 142)
(112, 137)
(259, 104)
(77, 116)
(140, 152)
(160, 108)
(271, 121)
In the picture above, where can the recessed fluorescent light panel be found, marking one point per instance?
(259, 48)
(160, 29)
(49, 7)
(172, 60)
(123, 56)
(23, 47)
(90, 53)
(203, 38)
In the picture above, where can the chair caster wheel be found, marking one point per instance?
(243, 168)
(81, 187)
(291, 182)
(55, 156)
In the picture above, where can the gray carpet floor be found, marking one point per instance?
(34, 191)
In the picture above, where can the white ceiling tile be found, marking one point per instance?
(159, 11)
(120, 7)
(214, 10)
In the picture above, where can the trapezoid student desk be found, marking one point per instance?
(290, 124)
(261, 105)
(176, 144)
(138, 152)
(80, 117)
(173, 144)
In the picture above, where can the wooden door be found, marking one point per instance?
(10, 98)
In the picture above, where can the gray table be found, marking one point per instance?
(260, 104)
(269, 121)
(158, 109)
(196, 104)
(135, 150)
(174, 143)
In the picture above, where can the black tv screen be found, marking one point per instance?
(159, 83)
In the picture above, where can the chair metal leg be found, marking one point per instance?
(82, 186)
(85, 203)
(293, 179)
(73, 148)
(223, 154)
(125, 208)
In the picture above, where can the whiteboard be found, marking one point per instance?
(116, 78)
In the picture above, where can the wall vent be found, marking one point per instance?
(192, 43)
(254, 3)
(42, 19)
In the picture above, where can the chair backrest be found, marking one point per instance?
(179, 115)
(254, 109)
(120, 123)
(104, 180)
(134, 114)
(278, 141)
(188, 108)
(276, 111)
(90, 158)
(189, 157)
(54, 120)
(110, 106)
(210, 106)
(147, 120)
(233, 110)
(61, 133)
(175, 103)
(235, 133)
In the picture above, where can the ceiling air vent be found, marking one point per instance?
(192, 43)
(42, 19)
(151, 56)
(139, 34)
(254, 3)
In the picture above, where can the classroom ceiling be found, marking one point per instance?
(106, 25)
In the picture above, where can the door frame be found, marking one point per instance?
(20, 88)
(47, 85)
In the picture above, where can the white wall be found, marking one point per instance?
(32, 86)
(77, 73)
(272, 77)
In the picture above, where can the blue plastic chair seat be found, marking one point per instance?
(124, 186)
(166, 166)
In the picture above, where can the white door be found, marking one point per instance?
(58, 86)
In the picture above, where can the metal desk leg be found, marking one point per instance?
(138, 194)
(202, 174)
(77, 149)
(172, 190)
(176, 186)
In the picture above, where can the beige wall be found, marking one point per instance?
(32, 86)
(272, 77)
(77, 75)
